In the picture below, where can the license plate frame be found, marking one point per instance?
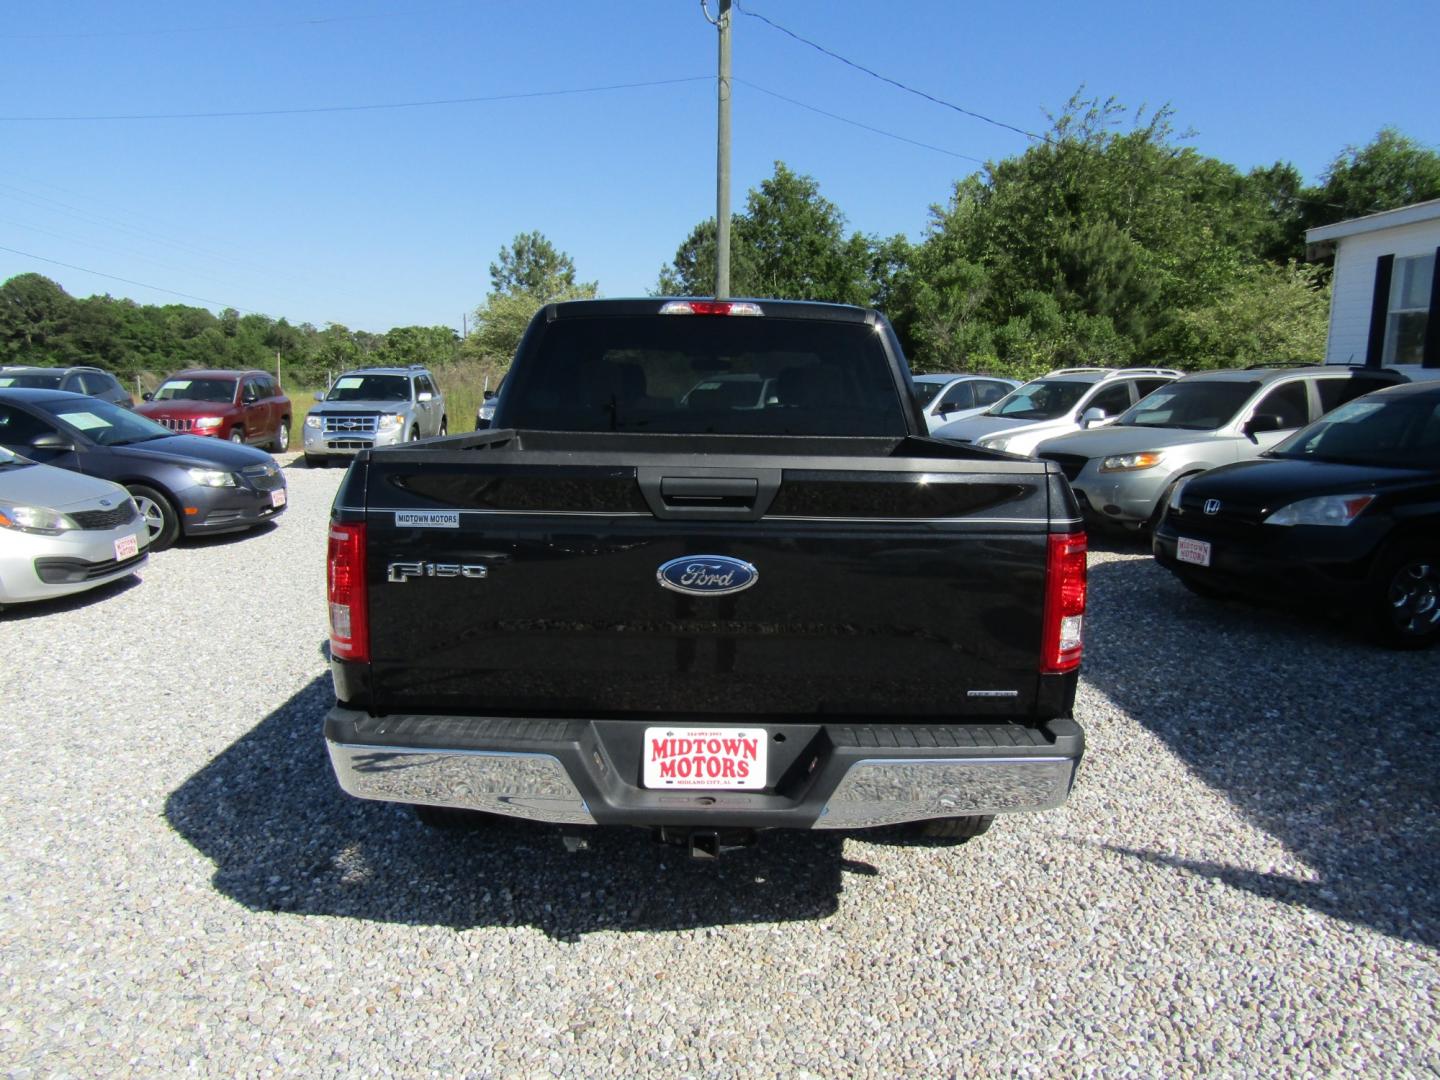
(277, 498)
(678, 757)
(1194, 552)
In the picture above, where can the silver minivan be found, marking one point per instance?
(1122, 474)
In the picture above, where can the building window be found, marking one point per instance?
(1409, 309)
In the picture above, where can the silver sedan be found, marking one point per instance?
(62, 532)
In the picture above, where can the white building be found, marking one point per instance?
(1383, 310)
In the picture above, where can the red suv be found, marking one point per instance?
(242, 406)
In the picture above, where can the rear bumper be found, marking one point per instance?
(587, 772)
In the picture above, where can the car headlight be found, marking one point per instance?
(1324, 510)
(207, 422)
(1146, 459)
(212, 477)
(34, 519)
(389, 420)
(998, 443)
(313, 421)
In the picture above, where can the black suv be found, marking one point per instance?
(74, 380)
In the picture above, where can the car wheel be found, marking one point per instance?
(444, 425)
(1405, 596)
(159, 516)
(237, 435)
(451, 818)
(954, 828)
(316, 461)
(414, 433)
(282, 436)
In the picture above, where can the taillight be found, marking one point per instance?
(710, 307)
(349, 621)
(1064, 604)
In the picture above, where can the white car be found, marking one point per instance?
(944, 398)
(62, 532)
(1066, 400)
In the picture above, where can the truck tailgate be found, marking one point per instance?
(520, 582)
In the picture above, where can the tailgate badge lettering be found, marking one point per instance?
(404, 571)
(707, 575)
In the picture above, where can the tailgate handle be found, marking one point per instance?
(683, 492)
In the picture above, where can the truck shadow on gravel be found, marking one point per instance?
(283, 837)
(1315, 735)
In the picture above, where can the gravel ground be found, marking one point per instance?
(1244, 882)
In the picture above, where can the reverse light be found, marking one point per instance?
(345, 590)
(1062, 634)
(205, 423)
(34, 519)
(710, 307)
(1147, 459)
(1325, 510)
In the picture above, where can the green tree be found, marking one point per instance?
(529, 273)
(35, 317)
(532, 265)
(1271, 313)
(1392, 171)
(790, 244)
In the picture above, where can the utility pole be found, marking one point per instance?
(722, 152)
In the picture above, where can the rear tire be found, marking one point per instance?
(954, 828)
(444, 425)
(1404, 596)
(451, 818)
(237, 435)
(414, 433)
(281, 442)
(158, 515)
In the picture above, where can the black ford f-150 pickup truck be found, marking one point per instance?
(706, 574)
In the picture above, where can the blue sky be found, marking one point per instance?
(391, 216)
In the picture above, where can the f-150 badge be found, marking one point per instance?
(707, 575)
(404, 571)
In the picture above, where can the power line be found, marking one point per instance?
(199, 29)
(127, 281)
(893, 82)
(857, 123)
(366, 108)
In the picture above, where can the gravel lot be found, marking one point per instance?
(1246, 880)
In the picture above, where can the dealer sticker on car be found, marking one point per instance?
(1193, 551)
(127, 547)
(277, 498)
(686, 757)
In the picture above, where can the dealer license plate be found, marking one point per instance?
(695, 757)
(1193, 551)
(277, 498)
(127, 547)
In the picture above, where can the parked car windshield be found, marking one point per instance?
(1193, 406)
(370, 388)
(218, 390)
(100, 422)
(1043, 399)
(1403, 432)
(34, 380)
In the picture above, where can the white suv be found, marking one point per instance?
(378, 406)
(1065, 400)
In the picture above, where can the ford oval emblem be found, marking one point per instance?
(707, 575)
